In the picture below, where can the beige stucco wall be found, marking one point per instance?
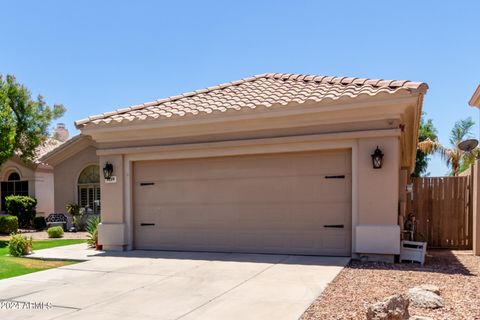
(378, 188)
(377, 230)
(44, 192)
(113, 229)
(66, 176)
(476, 208)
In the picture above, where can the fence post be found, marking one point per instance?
(476, 208)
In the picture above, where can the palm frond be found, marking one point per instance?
(429, 146)
(461, 130)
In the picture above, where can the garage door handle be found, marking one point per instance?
(335, 177)
(339, 226)
(147, 224)
(147, 183)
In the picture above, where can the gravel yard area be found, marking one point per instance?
(457, 273)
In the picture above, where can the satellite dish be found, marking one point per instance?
(468, 145)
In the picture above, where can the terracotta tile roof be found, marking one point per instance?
(266, 90)
(46, 147)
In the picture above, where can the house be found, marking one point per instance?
(35, 178)
(76, 174)
(275, 163)
(475, 99)
(475, 102)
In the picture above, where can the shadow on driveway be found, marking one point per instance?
(229, 256)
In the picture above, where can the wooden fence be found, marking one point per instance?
(443, 211)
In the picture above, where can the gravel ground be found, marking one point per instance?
(457, 273)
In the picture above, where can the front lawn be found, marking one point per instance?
(13, 266)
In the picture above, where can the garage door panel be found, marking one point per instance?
(264, 203)
(306, 215)
(246, 166)
(334, 241)
(195, 216)
(257, 190)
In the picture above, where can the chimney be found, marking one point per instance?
(60, 133)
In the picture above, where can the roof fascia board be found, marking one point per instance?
(67, 150)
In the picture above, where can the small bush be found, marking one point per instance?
(39, 223)
(8, 224)
(92, 229)
(22, 207)
(19, 245)
(55, 232)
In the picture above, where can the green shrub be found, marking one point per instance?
(55, 232)
(8, 224)
(92, 229)
(19, 245)
(39, 223)
(22, 207)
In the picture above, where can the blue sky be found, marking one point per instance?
(97, 56)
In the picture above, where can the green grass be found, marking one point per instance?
(13, 266)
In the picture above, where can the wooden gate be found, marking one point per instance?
(443, 211)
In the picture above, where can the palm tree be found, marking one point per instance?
(455, 158)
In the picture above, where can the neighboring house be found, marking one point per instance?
(475, 99)
(76, 174)
(276, 163)
(34, 178)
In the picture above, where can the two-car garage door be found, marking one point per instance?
(291, 203)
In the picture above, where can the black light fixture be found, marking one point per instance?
(107, 170)
(377, 158)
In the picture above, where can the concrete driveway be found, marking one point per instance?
(169, 285)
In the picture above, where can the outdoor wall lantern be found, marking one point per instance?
(107, 170)
(377, 158)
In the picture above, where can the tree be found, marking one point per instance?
(426, 131)
(455, 158)
(23, 122)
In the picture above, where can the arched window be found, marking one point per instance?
(90, 174)
(13, 186)
(89, 189)
(14, 176)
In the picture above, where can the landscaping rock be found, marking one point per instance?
(425, 296)
(430, 287)
(420, 318)
(391, 308)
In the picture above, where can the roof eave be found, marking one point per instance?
(46, 158)
(475, 99)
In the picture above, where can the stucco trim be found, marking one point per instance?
(9, 170)
(235, 147)
(355, 204)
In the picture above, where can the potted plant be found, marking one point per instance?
(75, 211)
